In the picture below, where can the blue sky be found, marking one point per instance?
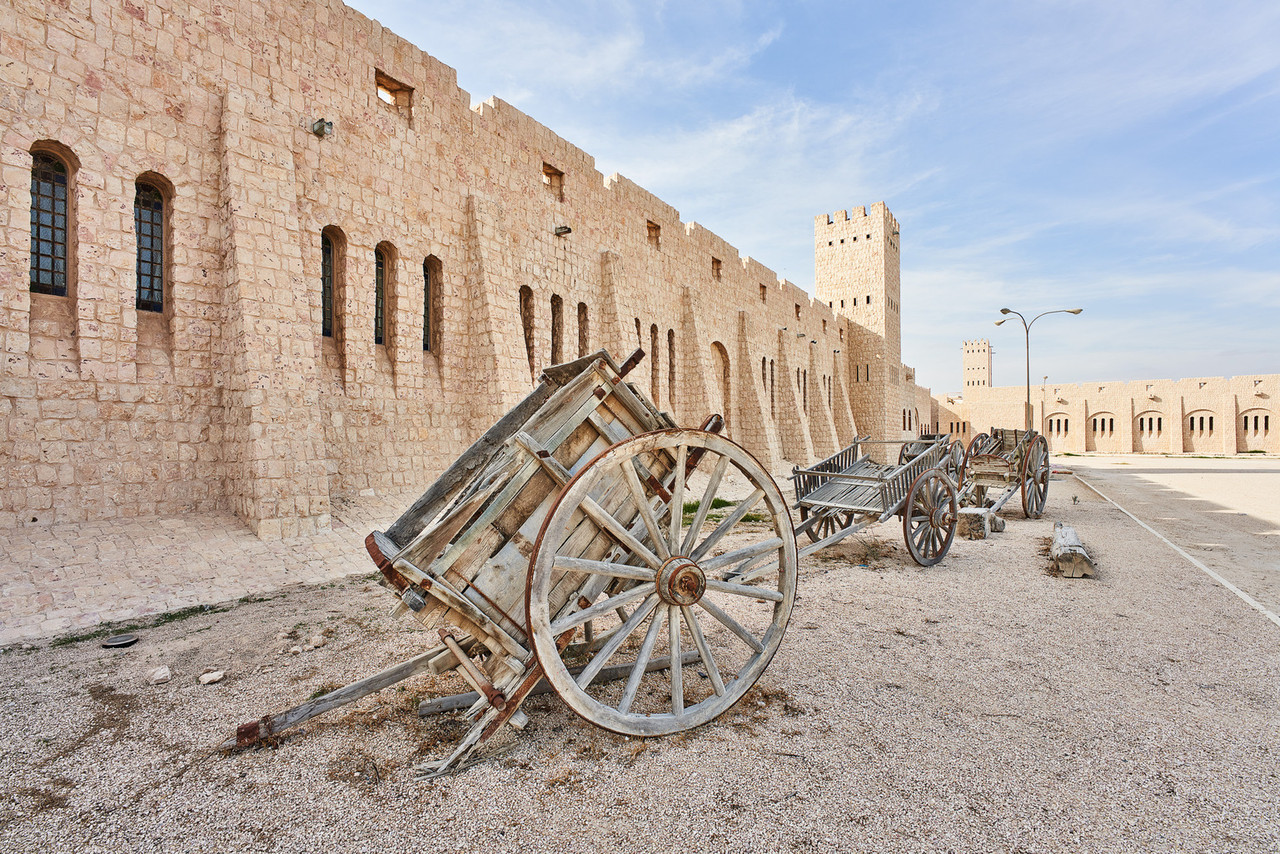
(1122, 157)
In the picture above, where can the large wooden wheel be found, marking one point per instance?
(953, 462)
(706, 600)
(977, 445)
(1035, 478)
(829, 522)
(929, 517)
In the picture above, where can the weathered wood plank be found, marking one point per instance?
(254, 732)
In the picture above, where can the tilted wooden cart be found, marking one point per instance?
(561, 543)
(847, 492)
(1003, 462)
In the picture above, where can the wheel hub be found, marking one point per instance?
(681, 581)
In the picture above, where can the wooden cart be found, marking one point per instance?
(1000, 463)
(846, 492)
(575, 542)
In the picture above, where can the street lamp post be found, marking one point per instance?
(1026, 326)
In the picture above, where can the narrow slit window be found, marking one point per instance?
(432, 271)
(557, 329)
(48, 225)
(671, 368)
(379, 296)
(326, 285)
(148, 225)
(526, 324)
(655, 234)
(716, 267)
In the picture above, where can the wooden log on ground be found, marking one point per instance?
(1068, 553)
(608, 674)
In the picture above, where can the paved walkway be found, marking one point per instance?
(56, 579)
(1223, 511)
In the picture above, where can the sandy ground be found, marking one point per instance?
(979, 705)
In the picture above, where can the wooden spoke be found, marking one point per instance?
(743, 554)
(619, 567)
(677, 497)
(642, 662)
(642, 505)
(761, 593)
(606, 652)
(704, 651)
(731, 624)
(601, 567)
(605, 520)
(677, 673)
(601, 608)
(743, 508)
(704, 506)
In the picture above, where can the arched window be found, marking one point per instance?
(149, 226)
(49, 224)
(333, 280)
(432, 275)
(381, 265)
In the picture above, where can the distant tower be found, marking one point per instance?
(977, 365)
(857, 264)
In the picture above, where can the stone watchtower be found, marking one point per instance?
(977, 366)
(857, 272)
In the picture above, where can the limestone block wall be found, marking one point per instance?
(1203, 415)
(499, 247)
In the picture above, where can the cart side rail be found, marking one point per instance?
(843, 461)
(896, 485)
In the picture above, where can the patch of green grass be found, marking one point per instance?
(716, 503)
(755, 517)
(107, 629)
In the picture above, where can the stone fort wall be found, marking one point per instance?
(1201, 415)
(233, 397)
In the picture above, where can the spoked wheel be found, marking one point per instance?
(830, 522)
(1035, 478)
(953, 462)
(976, 446)
(929, 517)
(694, 609)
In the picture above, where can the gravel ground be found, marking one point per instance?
(980, 705)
